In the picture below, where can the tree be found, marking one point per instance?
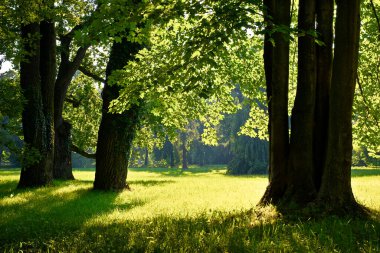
(276, 62)
(36, 72)
(336, 189)
(303, 181)
(45, 87)
(116, 131)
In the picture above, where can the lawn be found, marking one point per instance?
(201, 210)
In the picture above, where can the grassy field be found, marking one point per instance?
(201, 210)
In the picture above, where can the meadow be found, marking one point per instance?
(167, 210)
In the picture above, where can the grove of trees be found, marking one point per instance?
(288, 86)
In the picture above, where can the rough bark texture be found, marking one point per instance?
(325, 12)
(301, 187)
(336, 189)
(62, 169)
(279, 104)
(38, 111)
(116, 131)
(66, 71)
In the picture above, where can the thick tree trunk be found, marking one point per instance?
(63, 169)
(62, 154)
(301, 187)
(116, 131)
(278, 117)
(325, 12)
(66, 71)
(336, 192)
(184, 151)
(38, 111)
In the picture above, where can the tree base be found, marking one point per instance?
(115, 189)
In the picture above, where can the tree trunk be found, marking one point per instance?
(38, 111)
(116, 131)
(66, 71)
(184, 151)
(336, 192)
(172, 158)
(325, 12)
(63, 168)
(301, 187)
(278, 118)
(146, 159)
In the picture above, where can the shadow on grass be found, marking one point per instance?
(7, 188)
(220, 232)
(175, 172)
(365, 172)
(48, 212)
(147, 183)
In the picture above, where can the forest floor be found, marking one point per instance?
(167, 210)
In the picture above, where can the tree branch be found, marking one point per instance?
(73, 101)
(375, 13)
(77, 150)
(90, 74)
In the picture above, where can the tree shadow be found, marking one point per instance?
(222, 232)
(27, 215)
(365, 172)
(7, 188)
(147, 183)
(176, 172)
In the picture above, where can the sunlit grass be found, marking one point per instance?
(199, 210)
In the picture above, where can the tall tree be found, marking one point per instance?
(37, 71)
(336, 181)
(300, 177)
(308, 179)
(116, 131)
(325, 12)
(277, 84)
(66, 71)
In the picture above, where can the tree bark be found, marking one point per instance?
(66, 71)
(336, 192)
(301, 189)
(146, 157)
(63, 168)
(38, 111)
(278, 118)
(184, 151)
(325, 12)
(116, 131)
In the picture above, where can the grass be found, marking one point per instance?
(200, 210)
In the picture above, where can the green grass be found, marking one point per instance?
(200, 210)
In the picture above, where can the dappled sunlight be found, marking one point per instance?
(16, 199)
(69, 190)
(212, 210)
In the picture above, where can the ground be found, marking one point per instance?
(200, 210)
